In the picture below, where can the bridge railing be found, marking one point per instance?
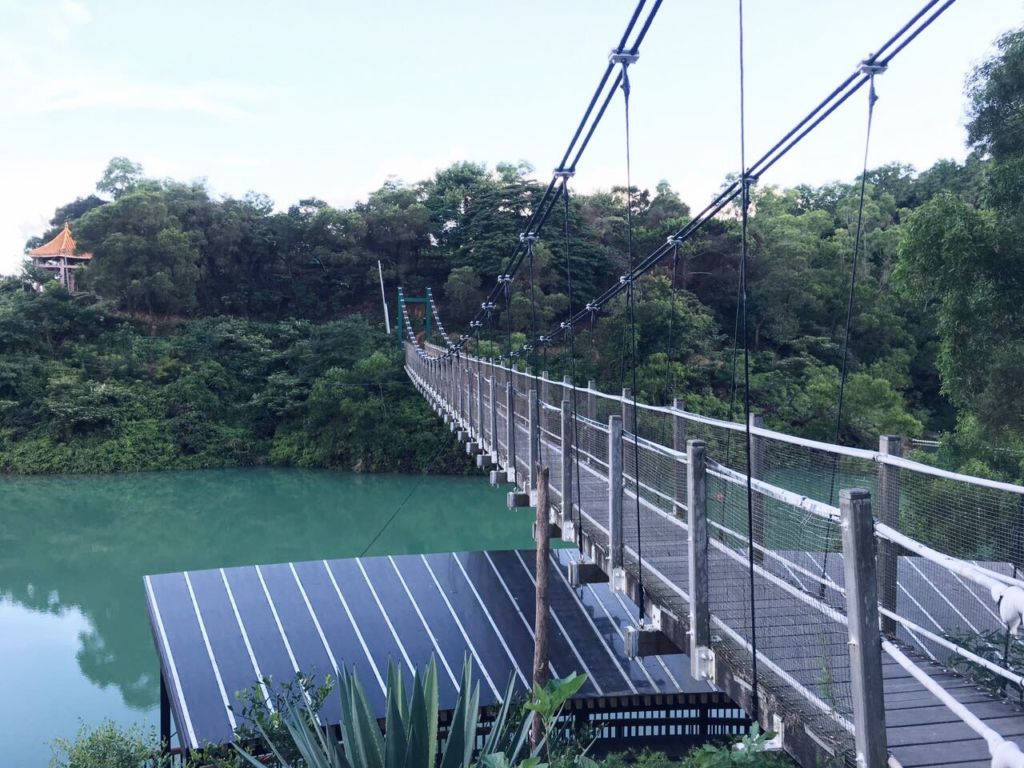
(941, 606)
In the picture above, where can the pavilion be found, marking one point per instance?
(61, 257)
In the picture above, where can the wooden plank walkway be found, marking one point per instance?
(803, 656)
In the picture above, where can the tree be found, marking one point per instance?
(141, 257)
(120, 176)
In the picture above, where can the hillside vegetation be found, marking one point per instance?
(217, 331)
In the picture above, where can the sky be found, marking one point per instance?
(330, 98)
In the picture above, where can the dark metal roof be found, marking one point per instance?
(220, 631)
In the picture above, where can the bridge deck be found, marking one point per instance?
(803, 659)
(220, 631)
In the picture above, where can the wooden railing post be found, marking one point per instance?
(567, 486)
(492, 392)
(697, 559)
(510, 430)
(865, 640)
(534, 451)
(679, 470)
(757, 472)
(888, 513)
(480, 410)
(628, 416)
(615, 540)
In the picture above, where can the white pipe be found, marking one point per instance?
(779, 494)
(384, 299)
(985, 577)
(1005, 754)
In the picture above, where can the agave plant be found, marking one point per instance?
(410, 736)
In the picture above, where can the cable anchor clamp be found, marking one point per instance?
(623, 57)
(868, 67)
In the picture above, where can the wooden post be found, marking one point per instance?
(510, 426)
(888, 513)
(540, 621)
(480, 410)
(697, 565)
(534, 451)
(567, 448)
(865, 641)
(615, 493)
(757, 472)
(679, 443)
(492, 391)
(470, 400)
(628, 415)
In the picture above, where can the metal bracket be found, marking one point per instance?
(674, 240)
(618, 580)
(774, 744)
(527, 237)
(591, 307)
(568, 530)
(623, 57)
(564, 173)
(625, 279)
(867, 68)
(504, 279)
(705, 663)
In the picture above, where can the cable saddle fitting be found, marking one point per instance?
(868, 68)
(623, 57)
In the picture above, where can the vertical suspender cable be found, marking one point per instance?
(575, 465)
(872, 70)
(745, 211)
(511, 415)
(625, 60)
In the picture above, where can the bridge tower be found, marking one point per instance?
(410, 306)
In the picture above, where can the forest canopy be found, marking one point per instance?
(220, 330)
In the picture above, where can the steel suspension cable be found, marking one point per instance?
(625, 59)
(853, 83)
(858, 238)
(744, 221)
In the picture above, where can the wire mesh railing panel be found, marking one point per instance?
(592, 445)
(522, 448)
(502, 440)
(799, 625)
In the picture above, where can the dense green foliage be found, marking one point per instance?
(215, 330)
(85, 390)
(109, 746)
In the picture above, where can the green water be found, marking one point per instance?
(74, 637)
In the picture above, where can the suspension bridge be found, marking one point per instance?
(861, 605)
(855, 630)
(852, 657)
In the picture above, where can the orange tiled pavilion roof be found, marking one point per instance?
(62, 245)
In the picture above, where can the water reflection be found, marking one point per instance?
(81, 545)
